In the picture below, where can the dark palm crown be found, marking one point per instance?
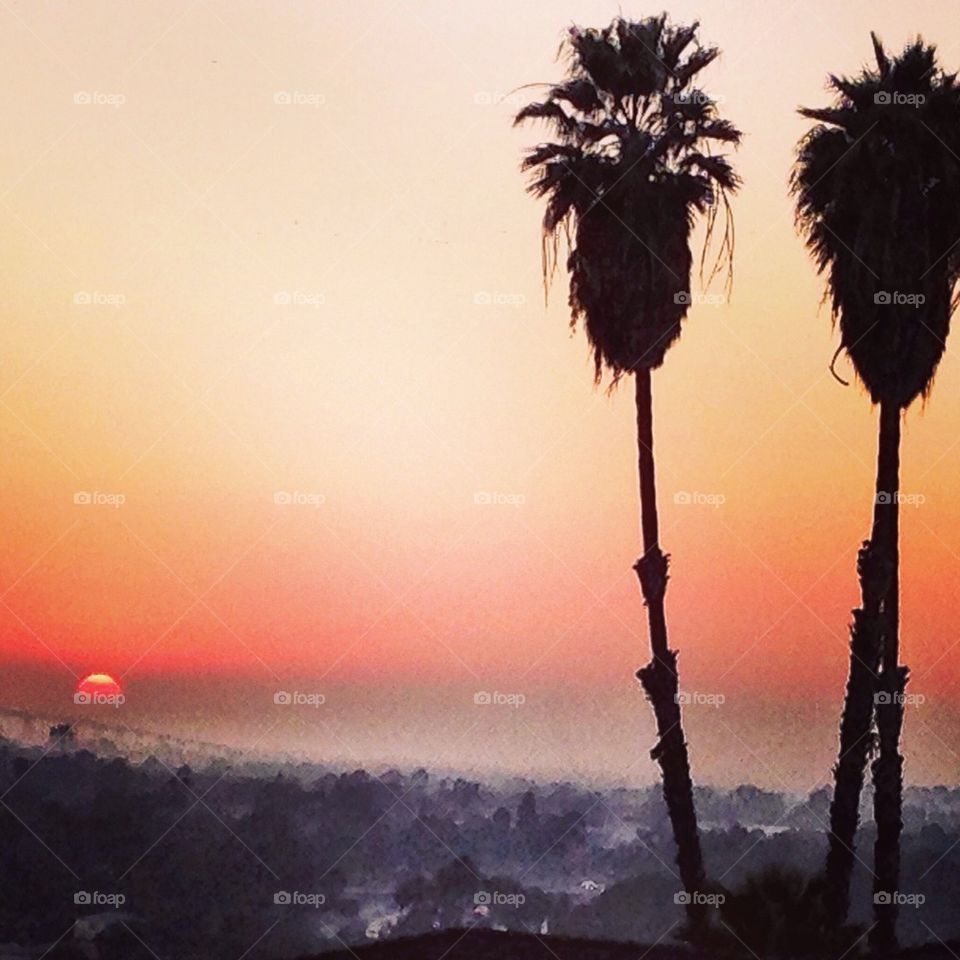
(877, 188)
(631, 164)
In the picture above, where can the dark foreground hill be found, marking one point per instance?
(497, 945)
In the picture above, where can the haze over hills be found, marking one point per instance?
(322, 857)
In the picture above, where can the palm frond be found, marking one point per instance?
(876, 184)
(632, 166)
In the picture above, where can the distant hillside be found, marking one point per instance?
(201, 859)
(116, 740)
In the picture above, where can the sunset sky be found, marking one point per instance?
(283, 409)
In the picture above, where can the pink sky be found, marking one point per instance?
(312, 269)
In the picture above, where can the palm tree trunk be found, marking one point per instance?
(659, 677)
(875, 565)
(887, 768)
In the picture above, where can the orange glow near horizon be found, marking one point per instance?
(280, 398)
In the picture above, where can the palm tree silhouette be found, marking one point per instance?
(631, 166)
(877, 189)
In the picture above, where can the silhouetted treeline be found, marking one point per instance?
(201, 857)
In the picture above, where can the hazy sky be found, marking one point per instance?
(258, 249)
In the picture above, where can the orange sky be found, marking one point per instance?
(339, 297)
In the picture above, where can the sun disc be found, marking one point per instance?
(98, 683)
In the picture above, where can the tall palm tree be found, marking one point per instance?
(631, 165)
(877, 189)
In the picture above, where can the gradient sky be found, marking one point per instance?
(338, 297)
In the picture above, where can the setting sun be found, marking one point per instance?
(101, 683)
